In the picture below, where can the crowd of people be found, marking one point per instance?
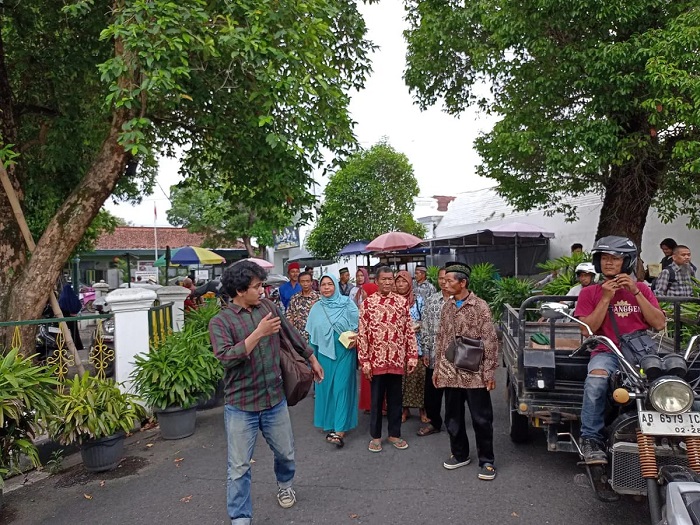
(398, 331)
(395, 330)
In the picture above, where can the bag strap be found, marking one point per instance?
(616, 329)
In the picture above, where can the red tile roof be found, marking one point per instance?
(142, 238)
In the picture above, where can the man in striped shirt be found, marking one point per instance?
(245, 338)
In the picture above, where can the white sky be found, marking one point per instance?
(438, 146)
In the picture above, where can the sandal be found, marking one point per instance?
(375, 445)
(427, 430)
(335, 439)
(405, 415)
(398, 443)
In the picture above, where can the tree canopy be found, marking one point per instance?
(592, 96)
(92, 91)
(373, 193)
(218, 212)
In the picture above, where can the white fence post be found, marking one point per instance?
(177, 296)
(130, 307)
(101, 289)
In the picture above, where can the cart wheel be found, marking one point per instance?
(519, 424)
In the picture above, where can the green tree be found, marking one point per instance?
(221, 215)
(91, 91)
(591, 95)
(371, 194)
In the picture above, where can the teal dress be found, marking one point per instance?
(335, 407)
(336, 400)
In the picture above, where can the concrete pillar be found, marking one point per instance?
(177, 296)
(101, 289)
(130, 307)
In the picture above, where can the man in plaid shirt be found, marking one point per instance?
(245, 338)
(675, 279)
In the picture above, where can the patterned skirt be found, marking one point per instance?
(414, 387)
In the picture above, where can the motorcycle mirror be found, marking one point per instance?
(553, 310)
(559, 311)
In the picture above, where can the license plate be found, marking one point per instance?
(54, 330)
(657, 424)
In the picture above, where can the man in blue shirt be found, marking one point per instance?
(287, 290)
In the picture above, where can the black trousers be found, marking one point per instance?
(479, 402)
(389, 385)
(433, 400)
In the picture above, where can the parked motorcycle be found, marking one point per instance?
(655, 437)
(87, 298)
(46, 336)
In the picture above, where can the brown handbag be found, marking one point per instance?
(465, 353)
(297, 377)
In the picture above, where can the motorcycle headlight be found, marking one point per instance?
(671, 395)
(108, 326)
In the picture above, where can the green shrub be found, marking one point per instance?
(482, 281)
(512, 291)
(27, 398)
(180, 371)
(94, 408)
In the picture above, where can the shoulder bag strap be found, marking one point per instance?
(616, 329)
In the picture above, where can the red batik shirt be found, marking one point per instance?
(386, 342)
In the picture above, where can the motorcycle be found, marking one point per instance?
(653, 442)
(46, 335)
(87, 299)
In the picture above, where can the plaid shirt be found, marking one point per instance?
(681, 286)
(254, 382)
(431, 324)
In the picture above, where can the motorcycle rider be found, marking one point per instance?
(585, 274)
(634, 307)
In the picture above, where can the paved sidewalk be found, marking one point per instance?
(183, 483)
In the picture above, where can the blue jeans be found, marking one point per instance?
(595, 395)
(241, 432)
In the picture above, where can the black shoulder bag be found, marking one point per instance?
(466, 353)
(634, 346)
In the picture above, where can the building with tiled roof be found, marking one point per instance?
(139, 242)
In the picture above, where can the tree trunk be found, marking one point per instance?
(25, 289)
(248, 246)
(628, 197)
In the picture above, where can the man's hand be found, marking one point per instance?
(367, 371)
(411, 366)
(269, 325)
(609, 288)
(316, 368)
(490, 385)
(352, 341)
(435, 380)
(426, 360)
(625, 281)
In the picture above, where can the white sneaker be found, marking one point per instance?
(286, 497)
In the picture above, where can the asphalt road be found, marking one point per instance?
(183, 482)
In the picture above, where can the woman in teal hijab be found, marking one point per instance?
(335, 408)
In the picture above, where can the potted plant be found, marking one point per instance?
(27, 398)
(197, 326)
(96, 415)
(173, 377)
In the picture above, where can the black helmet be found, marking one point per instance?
(619, 246)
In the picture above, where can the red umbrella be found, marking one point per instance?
(393, 241)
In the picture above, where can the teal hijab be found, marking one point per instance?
(330, 317)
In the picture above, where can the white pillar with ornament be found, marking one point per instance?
(130, 307)
(175, 295)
